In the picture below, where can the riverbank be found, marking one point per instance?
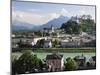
(65, 50)
(66, 55)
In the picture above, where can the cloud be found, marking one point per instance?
(55, 15)
(33, 17)
(34, 10)
(82, 12)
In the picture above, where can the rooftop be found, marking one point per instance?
(94, 58)
(80, 57)
(54, 56)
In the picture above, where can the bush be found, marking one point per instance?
(27, 62)
(70, 65)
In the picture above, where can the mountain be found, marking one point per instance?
(55, 22)
(17, 26)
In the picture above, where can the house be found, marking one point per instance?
(64, 43)
(80, 60)
(53, 31)
(55, 62)
(47, 44)
(13, 35)
(92, 61)
(70, 43)
(14, 45)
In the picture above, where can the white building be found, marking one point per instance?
(47, 44)
(13, 35)
(70, 42)
(55, 62)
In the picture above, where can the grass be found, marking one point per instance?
(66, 50)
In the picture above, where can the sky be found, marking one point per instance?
(40, 13)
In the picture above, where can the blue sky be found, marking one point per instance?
(40, 13)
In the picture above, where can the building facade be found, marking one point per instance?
(55, 62)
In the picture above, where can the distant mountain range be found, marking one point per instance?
(16, 25)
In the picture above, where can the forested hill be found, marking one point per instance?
(84, 23)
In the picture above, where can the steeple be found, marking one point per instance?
(52, 28)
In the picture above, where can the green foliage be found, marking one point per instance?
(22, 44)
(71, 27)
(56, 41)
(88, 25)
(27, 62)
(38, 33)
(54, 34)
(85, 24)
(40, 43)
(70, 65)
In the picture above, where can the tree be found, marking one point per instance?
(27, 62)
(40, 43)
(38, 33)
(71, 27)
(70, 65)
(56, 41)
(87, 23)
(14, 66)
(22, 44)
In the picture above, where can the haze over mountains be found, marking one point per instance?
(18, 26)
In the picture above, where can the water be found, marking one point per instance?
(66, 55)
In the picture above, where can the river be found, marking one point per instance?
(66, 55)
